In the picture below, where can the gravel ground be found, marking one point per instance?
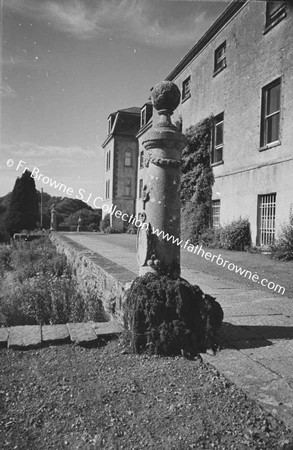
(69, 397)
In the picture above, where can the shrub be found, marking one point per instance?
(210, 238)
(40, 288)
(236, 235)
(166, 316)
(132, 228)
(105, 222)
(4, 235)
(111, 230)
(5, 259)
(283, 247)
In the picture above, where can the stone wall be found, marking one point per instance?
(94, 272)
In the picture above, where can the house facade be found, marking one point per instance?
(241, 72)
(120, 159)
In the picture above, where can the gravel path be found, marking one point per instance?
(104, 398)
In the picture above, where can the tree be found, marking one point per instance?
(23, 211)
(197, 180)
(90, 220)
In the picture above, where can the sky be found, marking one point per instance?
(65, 65)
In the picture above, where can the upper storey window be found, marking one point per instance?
(128, 158)
(143, 119)
(218, 140)
(270, 114)
(145, 114)
(108, 160)
(186, 93)
(275, 12)
(220, 58)
(110, 124)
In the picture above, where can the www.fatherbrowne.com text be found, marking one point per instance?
(131, 219)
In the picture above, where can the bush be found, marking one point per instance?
(169, 317)
(5, 259)
(132, 228)
(105, 223)
(210, 238)
(236, 235)
(110, 230)
(282, 249)
(4, 235)
(40, 288)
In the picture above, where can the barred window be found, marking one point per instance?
(266, 218)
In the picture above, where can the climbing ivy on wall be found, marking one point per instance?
(196, 180)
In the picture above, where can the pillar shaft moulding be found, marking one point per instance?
(161, 193)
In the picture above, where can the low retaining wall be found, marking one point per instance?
(97, 273)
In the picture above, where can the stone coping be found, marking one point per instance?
(24, 337)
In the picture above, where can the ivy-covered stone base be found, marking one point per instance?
(170, 317)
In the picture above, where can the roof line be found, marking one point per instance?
(226, 15)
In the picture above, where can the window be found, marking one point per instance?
(218, 139)
(220, 58)
(143, 117)
(266, 218)
(276, 11)
(186, 89)
(146, 114)
(108, 160)
(140, 188)
(216, 206)
(110, 124)
(128, 158)
(108, 189)
(270, 113)
(127, 187)
(141, 159)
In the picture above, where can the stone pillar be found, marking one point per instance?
(53, 226)
(161, 191)
(78, 224)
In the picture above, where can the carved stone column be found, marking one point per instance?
(53, 226)
(78, 224)
(161, 192)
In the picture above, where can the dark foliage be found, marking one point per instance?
(23, 212)
(105, 222)
(236, 235)
(282, 249)
(37, 286)
(64, 208)
(197, 180)
(170, 317)
(90, 220)
(4, 235)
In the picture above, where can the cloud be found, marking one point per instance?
(6, 90)
(134, 19)
(75, 166)
(49, 152)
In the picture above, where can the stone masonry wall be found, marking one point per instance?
(96, 273)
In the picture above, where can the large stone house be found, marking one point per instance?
(121, 155)
(241, 72)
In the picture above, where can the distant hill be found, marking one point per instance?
(68, 210)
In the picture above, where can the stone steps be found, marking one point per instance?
(32, 336)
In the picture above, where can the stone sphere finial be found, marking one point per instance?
(165, 97)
